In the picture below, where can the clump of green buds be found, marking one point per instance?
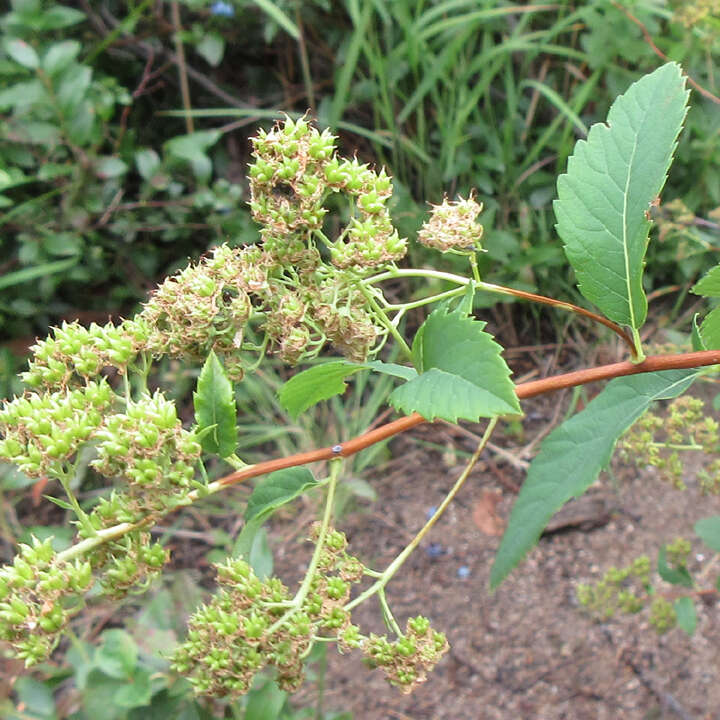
(147, 446)
(619, 590)
(629, 589)
(38, 596)
(407, 661)
(452, 225)
(658, 441)
(251, 623)
(294, 171)
(74, 350)
(43, 431)
(206, 306)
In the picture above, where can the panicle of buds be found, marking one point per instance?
(452, 225)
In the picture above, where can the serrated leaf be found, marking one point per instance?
(612, 178)
(265, 703)
(462, 375)
(686, 615)
(277, 489)
(260, 555)
(214, 404)
(709, 284)
(572, 456)
(674, 576)
(710, 329)
(708, 530)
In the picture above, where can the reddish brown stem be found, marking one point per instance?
(525, 390)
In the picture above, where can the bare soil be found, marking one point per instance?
(526, 651)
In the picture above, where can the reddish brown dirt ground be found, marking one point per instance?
(526, 651)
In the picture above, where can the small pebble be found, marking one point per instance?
(435, 550)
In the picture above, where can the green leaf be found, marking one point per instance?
(214, 404)
(137, 692)
(315, 384)
(260, 556)
(685, 613)
(710, 329)
(320, 382)
(573, 455)
(22, 94)
(192, 148)
(265, 703)
(462, 372)
(696, 340)
(709, 284)
(675, 576)
(708, 530)
(277, 489)
(118, 654)
(109, 167)
(147, 162)
(36, 699)
(32, 273)
(60, 55)
(612, 178)
(22, 53)
(211, 48)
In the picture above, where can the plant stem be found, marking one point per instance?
(385, 320)
(304, 589)
(635, 351)
(653, 363)
(402, 557)
(79, 512)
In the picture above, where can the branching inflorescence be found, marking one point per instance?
(313, 281)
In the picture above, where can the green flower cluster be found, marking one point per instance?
(147, 446)
(75, 350)
(129, 564)
(38, 596)
(250, 624)
(229, 639)
(43, 431)
(452, 225)
(662, 615)
(658, 441)
(407, 661)
(206, 306)
(294, 171)
(618, 590)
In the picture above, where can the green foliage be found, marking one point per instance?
(314, 281)
(448, 386)
(215, 412)
(573, 455)
(612, 178)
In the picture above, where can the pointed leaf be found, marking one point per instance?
(315, 384)
(686, 615)
(612, 178)
(709, 284)
(277, 489)
(215, 409)
(463, 374)
(696, 339)
(708, 530)
(573, 455)
(673, 575)
(322, 382)
(710, 330)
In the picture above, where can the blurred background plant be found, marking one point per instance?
(124, 133)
